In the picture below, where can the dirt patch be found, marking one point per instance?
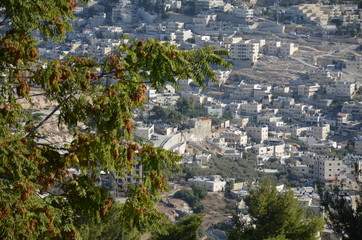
(217, 209)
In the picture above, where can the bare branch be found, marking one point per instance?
(50, 146)
(42, 122)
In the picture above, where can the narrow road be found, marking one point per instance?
(303, 62)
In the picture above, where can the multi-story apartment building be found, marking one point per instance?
(204, 5)
(262, 93)
(174, 26)
(308, 90)
(201, 21)
(183, 35)
(288, 49)
(274, 47)
(201, 128)
(235, 138)
(216, 109)
(354, 65)
(270, 148)
(325, 169)
(243, 12)
(313, 118)
(296, 109)
(266, 119)
(282, 90)
(144, 131)
(245, 50)
(355, 109)
(294, 130)
(251, 108)
(320, 132)
(258, 134)
(119, 184)
(123, 12)
(232, 154)
(314, 13)
(324, 76)
(342, 89)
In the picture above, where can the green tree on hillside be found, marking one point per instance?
(199, 191)
(109, 228)
(345, 219)
(99, 117)
(189, 107)
(275, 215)
(186, 229)
(193, 197)
(168, 116)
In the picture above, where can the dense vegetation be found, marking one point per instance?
(275, 215)
(190, 108)
(185, 108)
(242, 169)
(98, 117)
(343, 212)
(193, 197)
(186, 229)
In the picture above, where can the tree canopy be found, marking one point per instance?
(344, 218)
(275, 215)
(98, 117)
(192, 197)
(186, 229)
(189, 107)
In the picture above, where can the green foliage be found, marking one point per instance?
(186, 229)
(98, 117)
(275, 215)
(167, 116)
(199, 191)
(242, 169)
(229, 186)
(192, 197)
(344, 219)
(336, 106)
(109, 228)
(185, 107)
(188, 107)
(152, 6)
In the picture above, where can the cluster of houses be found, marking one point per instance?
(327, 15)
(215, 23)
(267, 121)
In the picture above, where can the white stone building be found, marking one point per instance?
(342, 89)
(258, 134)
(325, 169)
(251, 108)
(320, 132)
(214, 183)
(245, 50)
(308, 90)
(235, 138)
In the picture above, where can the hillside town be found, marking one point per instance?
(289, 109)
